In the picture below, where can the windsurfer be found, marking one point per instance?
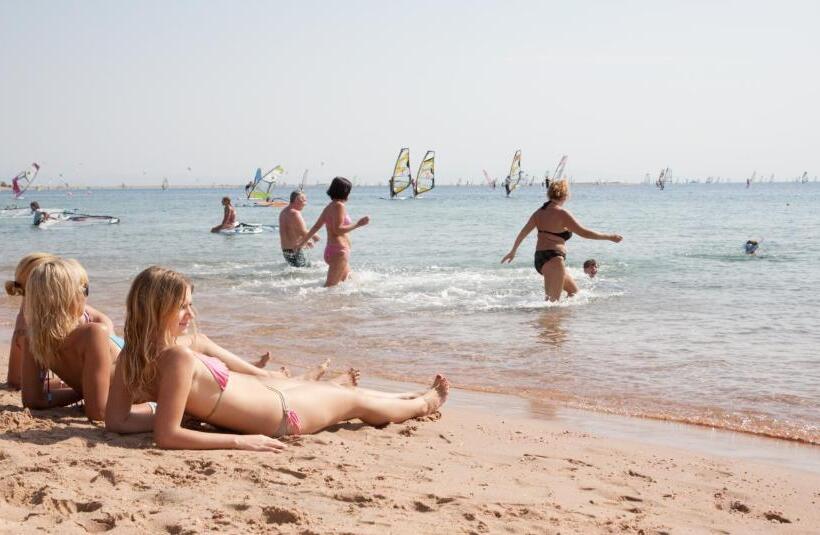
(228, 218)
(292, 229)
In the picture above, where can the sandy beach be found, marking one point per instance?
(463, 471)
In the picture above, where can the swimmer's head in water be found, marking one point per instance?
(226, 201)
(591, 267)
(558, 190)
(751, 246)
(34, 205)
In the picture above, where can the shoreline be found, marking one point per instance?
(488, 463)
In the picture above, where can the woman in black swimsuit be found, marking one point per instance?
(555, 226)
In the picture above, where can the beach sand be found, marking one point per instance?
(464, 471)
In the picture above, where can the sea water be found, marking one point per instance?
(679, 324)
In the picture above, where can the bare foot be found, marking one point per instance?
(263, 360)
(349, 378)
(437, 395)
(316, 373)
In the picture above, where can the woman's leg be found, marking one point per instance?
(553, 272)
(321, 405)
(337, 270)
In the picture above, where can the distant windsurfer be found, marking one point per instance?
(507, 186)
(39, 214)
(555, 226)
(292, 229)
(228, 217)
(248, 188)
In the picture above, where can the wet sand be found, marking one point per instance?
(472, 469)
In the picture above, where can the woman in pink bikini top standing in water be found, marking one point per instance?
(338, 223)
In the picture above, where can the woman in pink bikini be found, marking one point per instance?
(163, 365)
(334, 216)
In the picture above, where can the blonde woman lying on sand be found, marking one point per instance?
(69, 338)
(161, 364)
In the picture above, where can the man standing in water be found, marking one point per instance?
(292, 229)
(228, 217)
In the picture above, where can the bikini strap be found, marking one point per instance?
(218, 401)
(544, 206)
(289, 418)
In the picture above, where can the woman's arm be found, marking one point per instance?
(570, 223)
(98, 317)
(525, 231)
(176, 373)
(203, 344)
(313, 230)
(34, 392)
(16, 349)
(121, 416)
(96, 369)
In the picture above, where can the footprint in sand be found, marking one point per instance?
(278, 515)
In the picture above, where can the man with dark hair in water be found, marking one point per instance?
(751, 246)
(292, 229)
(228, 216)
(591, 268)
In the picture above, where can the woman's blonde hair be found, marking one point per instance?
(24, 268)
(559, 190)
(154, 299)
(53, 306)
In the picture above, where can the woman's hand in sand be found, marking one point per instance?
(363, 221)
(258, 443)
(508, 257)
(615, 238)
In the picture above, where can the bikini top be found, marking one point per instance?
(565, 235)
(346, 221)
(217, 369)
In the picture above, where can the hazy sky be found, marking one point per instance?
(110, 91)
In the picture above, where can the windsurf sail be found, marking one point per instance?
(514, 177)
(661, 182)
(490, 181)
(304, 181)
(23, 180)
(262, 184)
(401, 178)
(805, 177)
(426, 177)
(559, 169)
(164, 184)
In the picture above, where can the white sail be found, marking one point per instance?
(514, 176)
(23, 180)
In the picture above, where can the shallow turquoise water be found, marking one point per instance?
(680, 324)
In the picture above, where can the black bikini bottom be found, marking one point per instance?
(542, 257)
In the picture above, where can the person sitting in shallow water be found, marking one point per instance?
(751, 247)
(555, 226)
(591, 268)
(228, 216)
(160, 363)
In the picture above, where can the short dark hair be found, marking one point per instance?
(589, 263)
(294, 195)
(34, 205)
(226, 199)
(339, 189)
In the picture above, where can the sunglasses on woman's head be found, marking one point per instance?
(85, 290)
(19, 287)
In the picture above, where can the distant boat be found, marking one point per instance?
(426, 177)
(514, 177)
(164, 184)
(401, 178)
(22, 182)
